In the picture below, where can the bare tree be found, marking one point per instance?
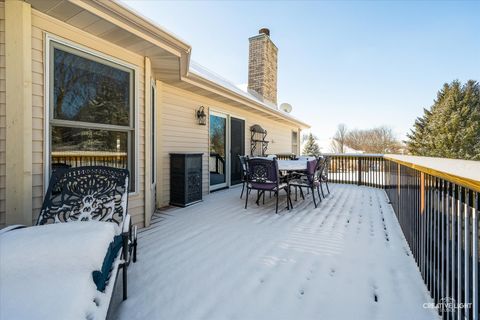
(377, 140)
(339, 139)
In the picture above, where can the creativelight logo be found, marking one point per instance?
(447, 304)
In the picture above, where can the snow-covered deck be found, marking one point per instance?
(347, 259)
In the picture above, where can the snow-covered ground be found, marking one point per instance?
(46, 271)
(347, 259)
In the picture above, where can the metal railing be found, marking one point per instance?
(90, 158)
(438, 215)
(285, 156)
(368, 170)
(217, 163)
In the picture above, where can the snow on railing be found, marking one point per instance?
(436, 202)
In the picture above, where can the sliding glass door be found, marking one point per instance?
(218, 150)
(237, 148)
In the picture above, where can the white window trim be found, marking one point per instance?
(297, 142)
(226, 116)
(153, 114)
(46, 132)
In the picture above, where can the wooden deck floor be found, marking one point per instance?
(347, 259)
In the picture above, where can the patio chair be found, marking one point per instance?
(324, 175)
(311, 179)
(243, 163)
(95, 193)
(263, 176)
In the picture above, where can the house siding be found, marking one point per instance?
(176, 126)
(38, 96)
(42, 25)
(179, 132)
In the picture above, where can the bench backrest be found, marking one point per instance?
(84, 194)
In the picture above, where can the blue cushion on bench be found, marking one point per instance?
(100, 277)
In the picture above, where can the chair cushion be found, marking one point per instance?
(262, 186)
(101, 277)
(267, 186)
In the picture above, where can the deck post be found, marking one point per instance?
(359, 166)
(422, 193)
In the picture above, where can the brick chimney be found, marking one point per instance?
(262, 66)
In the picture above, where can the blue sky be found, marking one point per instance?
(364, 64)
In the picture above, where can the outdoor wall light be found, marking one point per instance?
(201, 116)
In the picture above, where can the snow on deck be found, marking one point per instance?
(347, 259)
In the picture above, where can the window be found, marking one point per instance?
(295, 142)
(91, 111)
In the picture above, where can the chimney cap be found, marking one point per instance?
(265, 31)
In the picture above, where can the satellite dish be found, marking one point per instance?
(286, 107)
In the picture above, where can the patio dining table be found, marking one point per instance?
(292, 165)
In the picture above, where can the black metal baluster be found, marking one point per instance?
(447, 243)
(466, 284)
(442, 239)
(475, 261)
(453, 213)
(459, 251)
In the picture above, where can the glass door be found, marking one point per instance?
(218, 151)
(237, 146)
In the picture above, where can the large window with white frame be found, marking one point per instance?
(91, 110)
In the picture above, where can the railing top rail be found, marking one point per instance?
(77, 153)
(358, 155)
(461, 172)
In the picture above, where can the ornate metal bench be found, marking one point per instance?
(94, 193)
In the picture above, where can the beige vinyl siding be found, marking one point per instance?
(179, 132)
(41, 25)
(2, 115)
(38, 101)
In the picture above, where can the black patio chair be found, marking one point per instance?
(311, 179)
(243, 163)
(95, 193)
(263, 176)
(324, 175)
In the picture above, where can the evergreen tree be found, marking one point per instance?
(311, 147)
(451, 128)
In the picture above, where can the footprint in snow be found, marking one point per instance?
(375, 293)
